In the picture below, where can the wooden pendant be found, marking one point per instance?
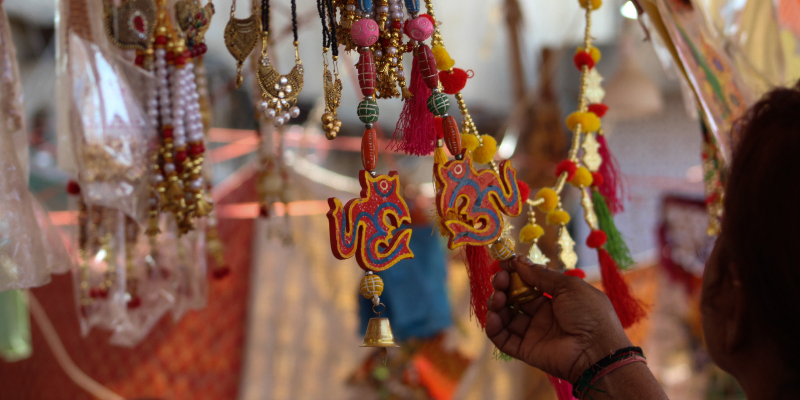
(366, 73)
(427, 66)
(452, 138)
(369, 150)
(369, 227)
(471, 203)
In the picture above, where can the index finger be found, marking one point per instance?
(540, 277)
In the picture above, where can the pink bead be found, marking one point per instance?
(364, 32)
(419, 29)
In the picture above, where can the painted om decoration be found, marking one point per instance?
(368, 227)
(471, 203)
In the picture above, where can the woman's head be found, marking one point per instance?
(751, 289)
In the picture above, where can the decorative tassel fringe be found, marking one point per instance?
(628, 308)
(563, 388)
(615, 243)
(613, 187)
(415, 131)
(480, 270)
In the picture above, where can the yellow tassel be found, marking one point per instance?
(485, 153)
(589, 121)
(407, 94)
(443, 60)
(550, 199)
(582, 178)
(469, 142)
(593, 51)
(530, 232)
(558, 217)
(439, 155)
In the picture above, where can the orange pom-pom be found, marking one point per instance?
(582, 59)
(566, 166)
(596, 239)
(453, 81)
(598, 109)
(576, 273)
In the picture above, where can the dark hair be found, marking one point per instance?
(761, 222)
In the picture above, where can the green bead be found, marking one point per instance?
(438, 104)
(368, 111)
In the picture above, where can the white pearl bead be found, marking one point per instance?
(196, 185)
(285, 115)
(169, 168)
(394, 7)
(294, 112)
(179, 141)
(350, 7)
(156, 178)
(401, 74)
(383, 9)
(392, 50)
(278, 122)
(160, 52)
(269, 113)
(378, 53)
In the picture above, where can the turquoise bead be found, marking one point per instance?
(438, 104)
(368, 111)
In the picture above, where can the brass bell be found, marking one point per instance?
(379, 334)
(520, 292)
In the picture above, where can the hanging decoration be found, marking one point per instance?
(241, 37)
(332, 85)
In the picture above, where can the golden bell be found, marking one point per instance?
(520, 292)
(379, 334)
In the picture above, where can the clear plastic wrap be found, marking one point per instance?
(110, 134)
(15, 326)
(191, 272)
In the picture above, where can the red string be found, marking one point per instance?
(480, 269)
(415, 132)
(628, 308)
(613, 185)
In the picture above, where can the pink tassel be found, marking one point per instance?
(480, 269)
(563, 388)
(415, 132)
(613, 186)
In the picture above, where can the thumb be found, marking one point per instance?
(542, 278)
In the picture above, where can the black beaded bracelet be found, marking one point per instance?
(588, 379)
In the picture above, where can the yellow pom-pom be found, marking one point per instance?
(485, 153)
(593, 51)
(589, 121)
(469, 141)
(595, 3)
(502, 249)
(558, 217)
(530, 232)
(371, 286)
(582, 178)
(443, 60)
(550, 199)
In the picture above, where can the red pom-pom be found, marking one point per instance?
(73, 188)
(583, 58)
(429, 18)
(221, 272)
(576, 273)
(597, 179)
(566, 166)
(524, 190)
(453, 81)
(598, 109)
(596, 239)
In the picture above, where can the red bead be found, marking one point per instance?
(201, 49)
(139, 60)
(178, 167)
(170, 56)
(409, 47)
(583, 58)
(566, 166)
(102, 293)
(367, 76)
(263, 212)
(161, 40)
(597, 179)
(134, 302)
(93, 293)
(427, 66)
(397, 24)
(166, 132)
(73, 188)
(221, 272)
(195, 150)
(598, 109)
(452, 138)
(180, 156)
(369, 149)
(385, 43)
(576, 273)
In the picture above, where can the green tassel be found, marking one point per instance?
(500, 356)
(616, 246)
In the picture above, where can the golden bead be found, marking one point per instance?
(502, 249)
(327, 118)
(371, 286)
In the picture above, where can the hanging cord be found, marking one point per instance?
(62, 357)
(264, 16)
(333, 41)
(321, 6)
(294, 21)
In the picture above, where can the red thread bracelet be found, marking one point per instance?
(617, 365)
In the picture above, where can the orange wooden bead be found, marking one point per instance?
(452, 138)
(369, 149)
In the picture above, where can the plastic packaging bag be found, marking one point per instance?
(15, 326)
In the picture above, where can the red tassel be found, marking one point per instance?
(480, 269)
(563, 388)
(415, 132)
(628, 308)
(613, 185)
(524, 191)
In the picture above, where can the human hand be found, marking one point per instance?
(563, 335)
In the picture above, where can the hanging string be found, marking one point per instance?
(333, 41)
(294, 20)
(264, 15)
(321, 6)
